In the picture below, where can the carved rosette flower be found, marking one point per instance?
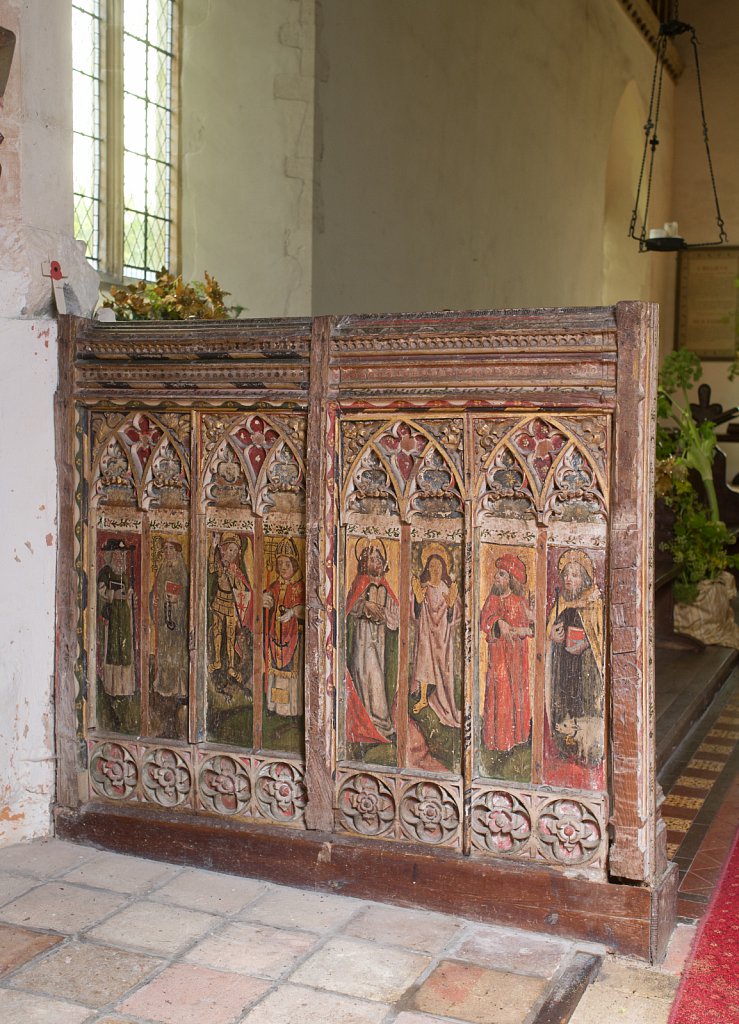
(500, 823)
(224, 785)
(569, 832)
(280, 791)
(166, 777)
(113, 771)
(429, 814)
(366, 805)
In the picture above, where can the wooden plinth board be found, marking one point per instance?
(365, 604)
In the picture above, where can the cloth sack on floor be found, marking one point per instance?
(710, 617)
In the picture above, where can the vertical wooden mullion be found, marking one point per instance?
(198, 621)
(145, 620)
(258, 666)
(538, 703)
(471, 637)
(321, 536)
(66, 645)
(401, 706)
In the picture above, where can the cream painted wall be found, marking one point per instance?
(464, 150)
(247, 150)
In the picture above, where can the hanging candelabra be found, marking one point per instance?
(667, 239)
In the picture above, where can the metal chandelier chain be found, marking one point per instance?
(667, 31)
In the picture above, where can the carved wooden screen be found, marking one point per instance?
(381, 580)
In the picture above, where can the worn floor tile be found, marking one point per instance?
(19, 945)
(507, 950)
(252, 949)
(121, 873)
(678, 949)
(602, 1003)
(12, 885)
(184, 994)
(154, 927)
(629, 976)
(26, 1008)
(415, 929)
(362, 969)
(43, 858)
(418, 1018)
(211, 892)
(292, 1004)
(296, 908)
(86, 973)
(61, 907)
(478, 994)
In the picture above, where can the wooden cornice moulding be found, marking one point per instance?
(369, 590)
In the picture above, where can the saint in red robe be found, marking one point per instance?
(507, 715)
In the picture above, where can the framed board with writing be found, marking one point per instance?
(708, 301)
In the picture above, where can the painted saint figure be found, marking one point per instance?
(436, 608)
(284, 604)
(115, 607)
(372, 621)
(231, 609)
(507, 621)
(575, 631)
(169, 603)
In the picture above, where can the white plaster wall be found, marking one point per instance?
(247, 150)
(27, 576)
(35, 225)
(463, 152)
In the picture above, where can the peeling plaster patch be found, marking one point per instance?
(5, 814)
(28, 545)
(49, 539)
(15, 556)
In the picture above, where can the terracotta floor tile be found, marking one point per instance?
(121, 873)
(26, 1008)
(690, 909)
(19, 945)
(86, 973)
(43, 858)
(185, 994)
(154, 928)
(293, 1004)
(61, 907)
(282, 907)
(477, 994)
(363, 969)
(414, 929)
(507, 950)
(210, 892)
(252, 949)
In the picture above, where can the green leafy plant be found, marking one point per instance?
(170, 298)
(700, 542)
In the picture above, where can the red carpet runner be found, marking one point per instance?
(709, 990)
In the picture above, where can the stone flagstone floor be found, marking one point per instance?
(89, 937)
